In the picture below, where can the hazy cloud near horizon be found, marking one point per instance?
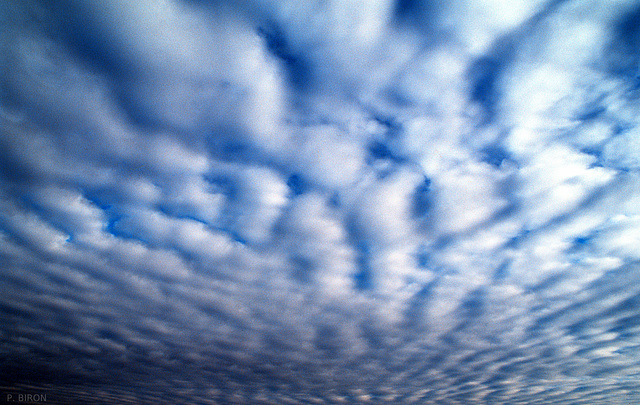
(321, 202)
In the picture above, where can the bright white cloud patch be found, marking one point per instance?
(323, 201)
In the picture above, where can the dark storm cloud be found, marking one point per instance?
(328, 202)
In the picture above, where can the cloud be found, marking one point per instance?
(343, 201)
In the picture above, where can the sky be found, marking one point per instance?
(320, 202)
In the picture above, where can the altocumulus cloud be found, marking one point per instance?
(343, 201)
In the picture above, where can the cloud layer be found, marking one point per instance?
(320, 202)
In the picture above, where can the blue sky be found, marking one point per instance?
(342, 201)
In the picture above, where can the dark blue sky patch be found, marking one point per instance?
(628, 323)
(418, 307)
(392, 126)
(303, 269)
(581, 242)
(470, 310)
(422, 199)
(118, 225)
(88, 43)
(398, 98)
(595, 151)
(548, 283)
(518, 239)
(363, 278)
(12, 169)
(334, 201)
(627, 306)
(379, 150)
(138, 107)
(229, 144)
(486, 72)
(297, 184)
(591, 113)
(484, 76)
(327, 341)
(502, 272)
(225, 184)
(423, 257)
(417, 13)
(495, 155)
(181, 211)
(622, 56)
(299, 70)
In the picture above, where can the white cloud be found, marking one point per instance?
(36, 233)
(623, 151)
(261, 196)
(383, 210)
(466, 196)
(481, 22)
(326, 156)
(620, 236)
(70, 210)
(318, 244)
(556, 180)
